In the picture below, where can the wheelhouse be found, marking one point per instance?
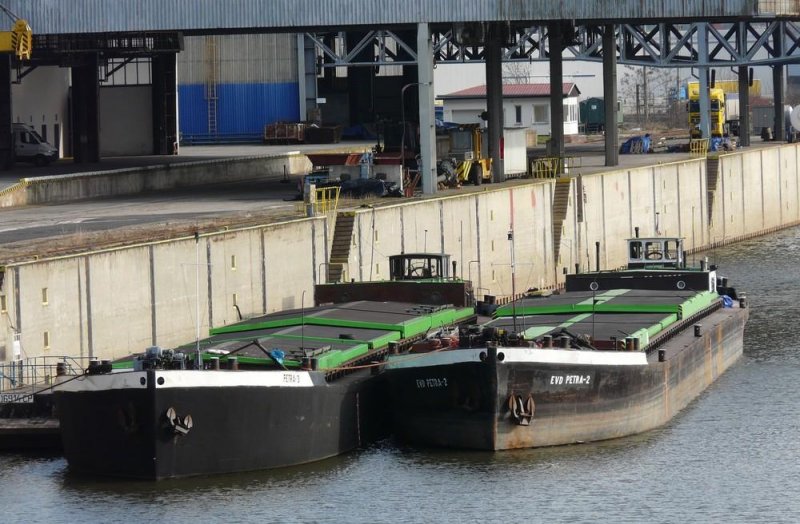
(655, 252)
(419, 266)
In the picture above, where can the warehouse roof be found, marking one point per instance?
(220, 16)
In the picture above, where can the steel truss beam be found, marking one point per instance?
(747, 43)
(69, 50)
(385, 45)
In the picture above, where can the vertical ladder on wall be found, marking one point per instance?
(560, 207)
(212, 78)
(712, 181)
(340, 251)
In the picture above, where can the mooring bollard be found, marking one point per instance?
(491, 352)
(697, 329)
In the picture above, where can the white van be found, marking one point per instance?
(29, 146)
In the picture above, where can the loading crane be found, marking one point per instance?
(19, 40)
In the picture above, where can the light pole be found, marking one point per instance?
(469, 268)
(513, 280)
(303, 322)
(198, 362)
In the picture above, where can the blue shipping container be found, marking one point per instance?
(242, 110)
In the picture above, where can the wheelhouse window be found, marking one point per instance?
(652, 251)
(635, 251)
(672, 249)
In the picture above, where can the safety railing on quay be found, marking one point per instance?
(38, 371)
(323, 201)
(698, 147)
(552, 166)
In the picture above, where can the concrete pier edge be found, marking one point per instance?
(127, 181)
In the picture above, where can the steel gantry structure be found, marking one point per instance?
(752, 43)
(702, 45)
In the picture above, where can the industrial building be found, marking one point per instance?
(524, 105)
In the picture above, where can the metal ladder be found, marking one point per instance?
(212, 78)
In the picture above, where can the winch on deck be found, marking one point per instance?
(157, 358)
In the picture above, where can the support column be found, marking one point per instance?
(307, 73)
(780, 115)
(427, 131)
(165, 104)
(778, 71)
(744, 106)
(494, 100)
(6, 133)
(610, 95)
(85, 112)
(556, 42)
(702, 52)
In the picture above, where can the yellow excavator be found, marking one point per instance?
(19, 40)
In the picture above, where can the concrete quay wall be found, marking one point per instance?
(753, 193)
(758, 192)
(66, 188)
(115, 302)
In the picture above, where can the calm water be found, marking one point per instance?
(732, 456)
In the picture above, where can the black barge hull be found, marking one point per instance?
(135, 424)
(525, 397)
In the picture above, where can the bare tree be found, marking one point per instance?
(516, 73)
(650, 93)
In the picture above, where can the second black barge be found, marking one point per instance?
(618, 353)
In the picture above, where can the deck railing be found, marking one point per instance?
(38, 371)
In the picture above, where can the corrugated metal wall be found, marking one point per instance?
(80, 16)
(231, 86)
(248, 59)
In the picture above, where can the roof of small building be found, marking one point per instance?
(514, 91)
